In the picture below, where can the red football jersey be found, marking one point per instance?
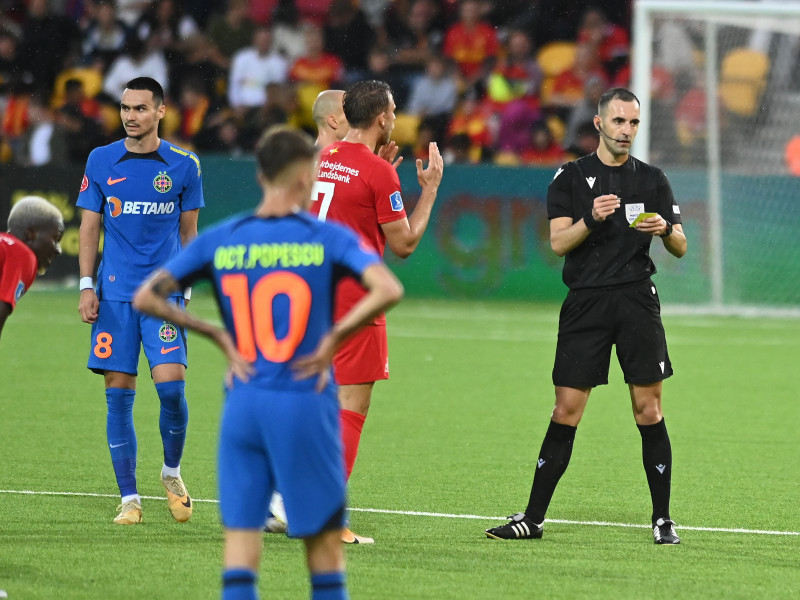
(361, 190)
(17, 268)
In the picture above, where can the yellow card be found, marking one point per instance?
(641, 217)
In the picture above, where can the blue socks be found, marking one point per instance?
(122, 438)
(173, 420)
(239, 584)
(328, 586)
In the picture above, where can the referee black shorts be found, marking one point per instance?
(593, 320)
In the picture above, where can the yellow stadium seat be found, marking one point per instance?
(405, 129)
(556, 57)
(92, 80)
(743, 80)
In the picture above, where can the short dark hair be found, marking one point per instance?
(148, 84)
(280, 147)
(365, 101)
(616, 93)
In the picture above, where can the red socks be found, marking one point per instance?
(352, 424)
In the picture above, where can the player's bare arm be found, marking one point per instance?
(566, 235)
(384, 290)
(404, 235)
(188, 225)
(151, 298)
(89, 242)
(675, 242)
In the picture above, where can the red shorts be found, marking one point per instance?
(363, 358)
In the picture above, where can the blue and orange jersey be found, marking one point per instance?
(141, 198)
(274, 280)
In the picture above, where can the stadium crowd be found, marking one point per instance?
(466, 73)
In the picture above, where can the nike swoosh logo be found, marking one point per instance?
(117, 445)
(113, 181)
(168, 350)
(188, 503)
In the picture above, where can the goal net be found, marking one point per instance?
(719, 83)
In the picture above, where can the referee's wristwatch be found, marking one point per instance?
(668, 232)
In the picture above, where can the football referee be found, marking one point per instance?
(604, 211)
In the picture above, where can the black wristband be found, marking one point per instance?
(590, 221)
(668, 232)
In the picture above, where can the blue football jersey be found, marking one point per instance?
(274, 279)
(141, 198)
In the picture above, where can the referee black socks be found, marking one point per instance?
(553, 460)
(657, 461)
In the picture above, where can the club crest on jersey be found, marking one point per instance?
(162, 182)
(168, 333)
(397, 202)
(633, 210)
(19, 291)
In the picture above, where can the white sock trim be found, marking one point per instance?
(171, 471)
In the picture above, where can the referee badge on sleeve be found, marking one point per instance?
(397, 202)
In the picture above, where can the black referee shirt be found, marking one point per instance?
(614, 254)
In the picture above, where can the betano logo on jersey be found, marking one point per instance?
(117, 207)
(240, 256)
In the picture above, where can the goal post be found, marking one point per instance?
(730, 151)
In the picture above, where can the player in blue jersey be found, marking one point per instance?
(274, 273)
(146, 193)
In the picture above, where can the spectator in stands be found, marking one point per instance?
(104, 38)
(79, 117)
(415, 39)
(232, 30)
(15, 118)
(166, 27)
(281, 107)
(9, 62)
(586, 142)
(473, 117)
(314, 72)
(349, 36)
(434, 95)
(200, 116)
(471, 44)
(517, 74)
(568, 87)
(287, 31)
(44, 143)
(586, 109)
(252, 69)
(459, 150)
(516, 121)
(140, 59)
(543, 151)
(379, 68)
(46, 39)
(611, 41)
(130, 11)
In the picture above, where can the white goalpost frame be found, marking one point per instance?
(766, 14)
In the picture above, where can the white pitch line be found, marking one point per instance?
(417, 513)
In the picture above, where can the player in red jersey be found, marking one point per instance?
(357, 187)
(35, 228)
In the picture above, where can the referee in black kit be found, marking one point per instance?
(604, 211)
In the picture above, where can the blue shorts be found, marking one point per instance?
(288, 441)
(120, 331)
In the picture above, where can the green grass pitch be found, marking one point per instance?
(449, 449)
